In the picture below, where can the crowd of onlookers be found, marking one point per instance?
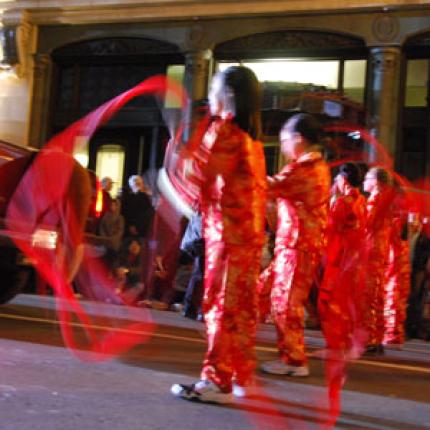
(176, 279)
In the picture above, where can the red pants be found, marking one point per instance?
(374, 302)
(294, 273)
(264, 288)
(396, 297)
(340, 303)
(230, 312)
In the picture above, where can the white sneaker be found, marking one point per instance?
(203, 391)
(278, 367)
(244, 391)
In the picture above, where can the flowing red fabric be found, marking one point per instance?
(406, 197)
(46, 199)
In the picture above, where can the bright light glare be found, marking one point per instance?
(82, 159)
(324, 73)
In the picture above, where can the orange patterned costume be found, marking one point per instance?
(340, 294)
(397, 286)
(302, 192)
(378, 235)
(230, 169)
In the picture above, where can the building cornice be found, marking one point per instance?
(51, 12)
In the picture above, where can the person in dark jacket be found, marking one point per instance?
(193, 245)
(136, 208)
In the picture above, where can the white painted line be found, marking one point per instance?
(418, 369)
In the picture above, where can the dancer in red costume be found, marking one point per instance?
(302, 191)
(229, 168)
(377, 182)
(398, 284)
(340, 293)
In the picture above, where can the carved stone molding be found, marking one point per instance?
(288, 40)
(385, 28)
(25, 35)
(41, 62)
(385, 59)
(196, 62)
(118, 46)
(195, 36)
(42, 74)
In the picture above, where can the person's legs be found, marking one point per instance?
(415, 301)
(375, 295)
(291, 333)
(230, 312)
(194, 291)
(244, 270)
(294, 274)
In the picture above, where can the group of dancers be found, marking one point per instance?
(318, 223)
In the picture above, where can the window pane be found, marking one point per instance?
(294, 71)
(354, 79)
(175, 72)
(81, 150)
(416, 83)
(110, 162)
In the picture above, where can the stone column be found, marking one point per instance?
(384, 96)
(196, 83)
(40, 102)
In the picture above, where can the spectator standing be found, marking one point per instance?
(106, 184)
(112, 229)
(136, 208)
(193, 245)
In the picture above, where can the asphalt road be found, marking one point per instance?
(45, 386)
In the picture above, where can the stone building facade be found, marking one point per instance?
(74, 54)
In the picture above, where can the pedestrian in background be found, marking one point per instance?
(136, 208)
(106, 184)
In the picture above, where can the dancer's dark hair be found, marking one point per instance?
(351, 173)
(245, 100)
(306, 125)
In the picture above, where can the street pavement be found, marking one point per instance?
(45, 386)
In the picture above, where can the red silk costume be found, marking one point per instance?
(397, 286)
(230, 169)
(302, 191)
(378, 228)
(344, 275)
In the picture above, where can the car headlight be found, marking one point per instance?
(43, 238)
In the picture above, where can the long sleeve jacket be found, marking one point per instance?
(302, 190)
(230, 169)
(379, 225)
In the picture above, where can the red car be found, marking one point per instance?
(16, 268)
